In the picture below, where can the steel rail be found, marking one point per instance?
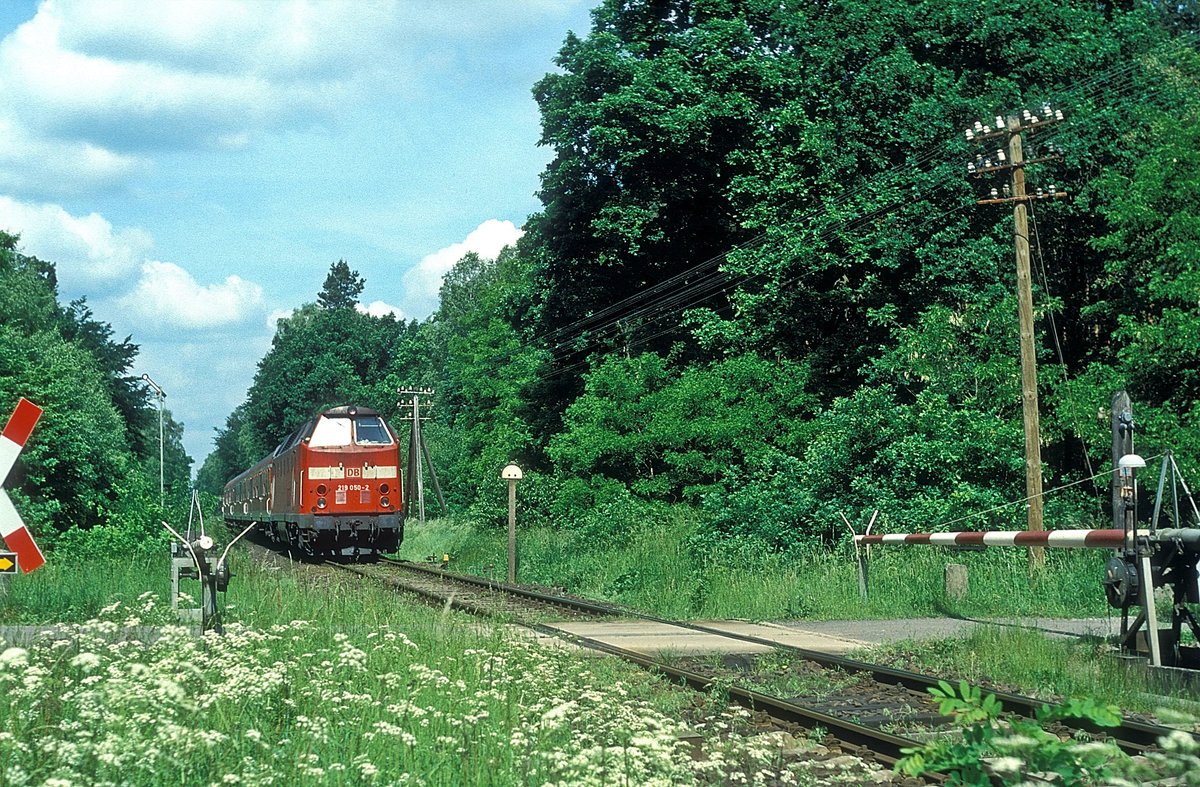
(1132, 736)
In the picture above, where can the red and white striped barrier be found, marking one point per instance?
(16, 535)
(1065, 539)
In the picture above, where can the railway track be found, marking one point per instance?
(861, 705)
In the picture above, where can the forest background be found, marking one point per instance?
(760, 287)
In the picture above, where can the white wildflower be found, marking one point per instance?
(1005, 765)
(14, 658)
(86, 661)
(1179, 740)
(1015, 742)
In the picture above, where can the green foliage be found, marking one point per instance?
(994, 750)
(681, 128)
(341, 288)
(485, 366)
(675, 435)
(1152, 262)
(97, 438)
(643, 117)
(765, 502)
(320, 357)
(79, 450)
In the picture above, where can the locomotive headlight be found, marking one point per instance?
(321, 502)
(383, 501)
(321, 490)
(383, 489)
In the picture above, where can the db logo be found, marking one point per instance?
(353, 472)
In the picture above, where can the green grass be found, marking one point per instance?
(324, 679)
(1041, 666)
(651, 567)
(75, 589)
(653, 570)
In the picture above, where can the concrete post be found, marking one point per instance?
(956, 581)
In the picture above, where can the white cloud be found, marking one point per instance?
(89, 87)
(275, 316)
(95, 259)
(38, 167)
(380, 309)
(168, 296)
(422, 282)
(91, 256)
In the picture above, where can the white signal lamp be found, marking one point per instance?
(1131, 462)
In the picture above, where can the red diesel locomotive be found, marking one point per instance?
(330, 489)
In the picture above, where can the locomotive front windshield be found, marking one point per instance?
(340, 431)
(330, 433)
(369, 430)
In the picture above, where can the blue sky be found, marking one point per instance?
(195, 166)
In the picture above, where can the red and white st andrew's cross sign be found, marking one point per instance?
(16, 536)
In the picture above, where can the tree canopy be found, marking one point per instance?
(96, 446)
(342, 287)
(759, 284)
(759, 272)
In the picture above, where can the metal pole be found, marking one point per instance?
(161, 475)
(1122, 444)
(160, 394)
(1149, 609)
(512, 532)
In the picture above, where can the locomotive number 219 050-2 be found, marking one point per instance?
(331, 488)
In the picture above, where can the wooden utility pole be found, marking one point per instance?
(1013, 163)
(414, 483)
(1029, 392)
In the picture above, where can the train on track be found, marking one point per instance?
(331, 489)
